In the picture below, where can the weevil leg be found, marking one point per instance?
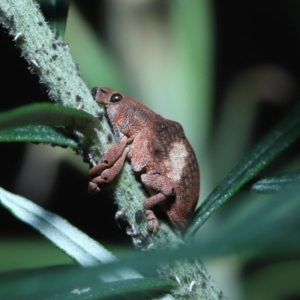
(108, 174)
(149, 203)
(158, 183)
(165, 188)
(110, 157)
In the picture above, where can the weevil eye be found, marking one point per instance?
(115, 98)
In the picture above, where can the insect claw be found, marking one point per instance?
(93, 188)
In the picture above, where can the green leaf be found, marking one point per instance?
(73, 283)
(193, 56)
(70, 120)
(72, 241)
(259, 225)
(37, 134)
(92, 55)
(136, 287)
(264, 152)
(48, 114)
(56, 13)
(69, 278)
(275, 184)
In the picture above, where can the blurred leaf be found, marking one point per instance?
(68, 282)
(276, 184)
(192, 72)
(56, 13)
(80, 278)
(72, 241)
(48, 114)
(260, 225)
(91, 54)
(37, 134)
(263, 153)
(22, 252)
(136, 287)
(64, 278)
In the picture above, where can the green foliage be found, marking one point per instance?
(56, 12)
(275, 184)
(141, 288)
(78, 283)
(72, 241)
(263, 153)
(45, 123)
(37, 134)
(48, 114)
(264, 226)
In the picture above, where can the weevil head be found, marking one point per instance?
(125, 114)
(106, 96)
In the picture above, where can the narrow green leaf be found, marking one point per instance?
(193, 56)
(41, 115)
(72, 241)
(92, 55)
(136, 287)
(265, 151)
(48, 114)
(69, 278)
(56, 13)
(69, 282)
(37, 134)
(275, 184)
(263, 225)
(55, 280)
